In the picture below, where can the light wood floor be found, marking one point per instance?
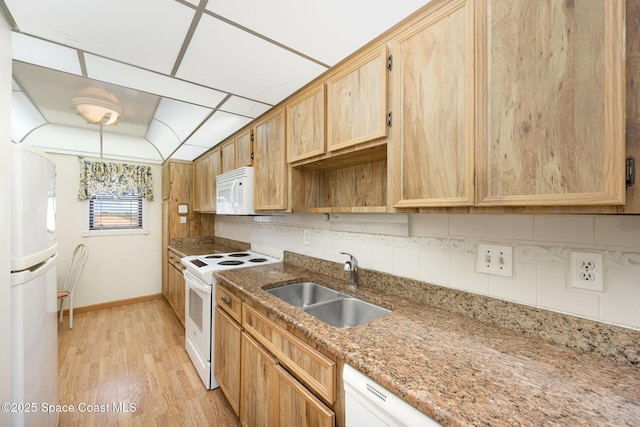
(133, 355)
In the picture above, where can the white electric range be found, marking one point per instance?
(200, 302)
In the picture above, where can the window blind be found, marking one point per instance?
(107, 213)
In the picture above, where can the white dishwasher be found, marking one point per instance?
(369, 404)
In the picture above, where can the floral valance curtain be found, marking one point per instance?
(114, 179)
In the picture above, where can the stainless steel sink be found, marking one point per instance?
(347, 312)
(330, 306)
(304, 294)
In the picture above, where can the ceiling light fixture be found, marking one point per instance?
(97, 111)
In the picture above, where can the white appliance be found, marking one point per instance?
(200, 303)
(234, 192)
(369, 404)
(34, 326)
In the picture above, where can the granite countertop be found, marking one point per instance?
(457, 370)
(204, 246)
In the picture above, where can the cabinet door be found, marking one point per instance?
(257, 383)
(551, 127)
(228, 156)
(179, 295)
(215, 169)
(434, 107)
(357, 101)
(297, 406)
(226, 356)
(305, 124)
(269, 163)
(244, 149)
(201, 186)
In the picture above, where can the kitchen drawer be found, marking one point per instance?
(174, 259)
(308, 365)
(229, 303)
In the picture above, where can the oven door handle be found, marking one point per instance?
(195, 283)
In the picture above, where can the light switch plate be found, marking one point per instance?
(495, 259)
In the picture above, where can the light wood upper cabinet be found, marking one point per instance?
(357, 101)
(434, 106)
(270, 162)
(228, 150)
(551, 105)
(305, 124)
(205, 170)
(215, 169)
(201, 187)
(244, 149)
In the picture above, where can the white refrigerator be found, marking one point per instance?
(34, 326)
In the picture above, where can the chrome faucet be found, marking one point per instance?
(352, 267)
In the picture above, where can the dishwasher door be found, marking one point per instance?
(369, 404)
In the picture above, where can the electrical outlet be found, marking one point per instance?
(587, 271)
(495, 259)
(305, 237)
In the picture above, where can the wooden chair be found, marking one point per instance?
(71, 278)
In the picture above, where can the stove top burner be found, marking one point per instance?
(214, 256)
(231, 262)
(257, 260)
(239, 255)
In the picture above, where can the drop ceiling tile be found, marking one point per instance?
(326, 30)
(163, 138)
(65, 140)
(244, 107)
(147, 81)
(188, 152)
(24, 116)
(181, 117)
(53, 92)
(214, 61)
(43, 53)
(146, 33)
(217, 128)
(125, 147)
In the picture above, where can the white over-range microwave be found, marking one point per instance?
(234, 192)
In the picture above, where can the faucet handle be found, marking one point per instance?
(352, 264)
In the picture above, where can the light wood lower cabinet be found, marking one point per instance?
(174, 288)
(255, 366)
(226, 366)
(297, 406)
(257, 382)
(313, 368)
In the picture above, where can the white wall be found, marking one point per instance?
(118, 267)
(441, 249)
(5, 216)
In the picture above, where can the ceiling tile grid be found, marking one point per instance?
(187, 73)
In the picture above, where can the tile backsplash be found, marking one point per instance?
(441, 249)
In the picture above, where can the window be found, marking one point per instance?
(108, 216)
(116, 197)
(107, 213)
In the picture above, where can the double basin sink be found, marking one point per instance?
(328, 305)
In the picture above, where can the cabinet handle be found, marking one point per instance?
(226, 300)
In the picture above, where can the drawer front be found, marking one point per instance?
(229, 303)
(311, 367)
(174, 260)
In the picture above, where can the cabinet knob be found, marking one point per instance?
(226, 300)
